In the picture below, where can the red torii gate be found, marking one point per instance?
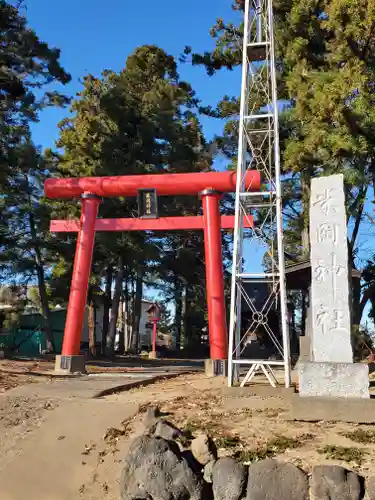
(91, 189)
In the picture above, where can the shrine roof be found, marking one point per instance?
(298, 275)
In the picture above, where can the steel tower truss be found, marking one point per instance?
(258, 149)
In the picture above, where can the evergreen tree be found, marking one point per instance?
(26, 65)
(325, 61)
(138, 121)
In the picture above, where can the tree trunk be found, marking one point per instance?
(304, 302)
(110, 344)
(132, 312)
(357, 308)
(137, 308)
(107, 305)
(178, 315)
(185, 315)
(121, 342)
(127, 317)
(42, 287)
(92, 325)
(305, 236)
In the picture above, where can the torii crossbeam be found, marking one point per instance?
(208, 186)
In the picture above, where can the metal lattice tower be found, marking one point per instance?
(258, 149)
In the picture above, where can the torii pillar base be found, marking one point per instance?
(216, 367)
(70, 365)
(153, 355)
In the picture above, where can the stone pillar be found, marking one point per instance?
(329, 271)
(332, 371)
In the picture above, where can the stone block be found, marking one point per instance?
(370, 488)
(228, 479)
(273, 480)
(236, 394)
(342, 380)
(314, 409)
(204, 449)
(333, 482)
(216, 367)
(152, 416)
(208, 470)
(70, 365)
(155, 468)
(166, 430)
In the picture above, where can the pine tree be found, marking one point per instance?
(325, 61)
(138, 121)
(26, 65)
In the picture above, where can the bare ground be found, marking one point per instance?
(73, 449)
(253, 427)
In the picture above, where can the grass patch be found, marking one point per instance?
(210, 428)
(281, 443)
(239, 412)
(254, 455)
(275, 446)
(227, 441)
(190, 430)
(306, 436)
(361, 436)
(346, 454)
(267, 412)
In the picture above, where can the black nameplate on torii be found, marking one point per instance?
(147, 204)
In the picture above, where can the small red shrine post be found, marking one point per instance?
(91, 189)
(154, 316)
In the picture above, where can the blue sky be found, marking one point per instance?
(94, 35)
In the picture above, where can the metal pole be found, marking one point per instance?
(235, 302)
(279, 220)
(214, 275)
(154, 334)
(258, 14)
(81, 274)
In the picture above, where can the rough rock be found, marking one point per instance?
(155, 469)
(273, 480)
(228, 479)
(158, 427)
(194, 465)
(333, 482)
(151, 417)
(204, 449)
(165, 430)
(370, 488)
(207, 471)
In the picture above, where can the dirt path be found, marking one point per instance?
(72, 448)
(50, 449)
(58, 459)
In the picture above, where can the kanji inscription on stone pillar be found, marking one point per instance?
(330, 292)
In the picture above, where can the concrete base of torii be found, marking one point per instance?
(216, 367)
(70, 365)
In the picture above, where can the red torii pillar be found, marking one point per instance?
(217, 323)
(91, 189)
